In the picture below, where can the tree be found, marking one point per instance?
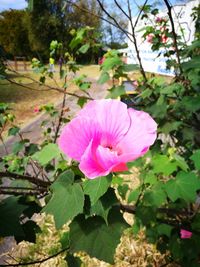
(52, 20)
(13, 32)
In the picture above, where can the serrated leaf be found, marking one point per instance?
(47, 153)
(196, 159)
(18, 146)
(67, 199)
(104, 77)
(162, 164)
(97, 187)
(96, 238)
(104, 204)
(183, 186)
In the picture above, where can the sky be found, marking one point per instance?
(14, 4)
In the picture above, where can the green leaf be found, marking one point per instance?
(111, 63)
(116, 91)
(10, 212)
(97, 187)
(146, 93)
(134, 194)
(183, 186)
(181, 162)
(67, 199)
(150, 178)
(81, 101)
(164, 229)
(196, 159)
(13, 131)
(73, 261)
(47, 153)
(64, 240)
(18, 146)
(162, 164)
(170, 126)
(84, 48)
(85, 86)
(104, 204)
(96, 238)
(156, 196)
(104, 77)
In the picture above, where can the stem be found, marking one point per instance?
(60, 118)
(37, 261)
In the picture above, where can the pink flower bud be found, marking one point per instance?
(185, 234)
(36, 109)
(150, 37)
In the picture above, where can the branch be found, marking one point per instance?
(100, 17)
(36, 261)
(20, 193)
(169, 8)
(134, 37)
(33, 180)
(60, 118)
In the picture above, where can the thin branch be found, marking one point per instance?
(60, 118)
(169, 8)
(133, 26)
(33, 180)
(36, 261)
(98, 16)
(20, 193)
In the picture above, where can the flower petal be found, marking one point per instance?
(89, 164)
(140, 136)
(76, 136)
(112, 116)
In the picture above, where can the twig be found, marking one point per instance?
(60, 118)
(133, 26)
(36, 261)
(33, 180)
(20, 193)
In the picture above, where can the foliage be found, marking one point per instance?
(166, 199)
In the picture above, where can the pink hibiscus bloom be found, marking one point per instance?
(185, 234)
(106, 135)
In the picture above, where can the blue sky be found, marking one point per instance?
(15, 4)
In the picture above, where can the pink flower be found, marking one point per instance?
(150, 37)
(106, 135)
(185, 234)
(36, 109)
